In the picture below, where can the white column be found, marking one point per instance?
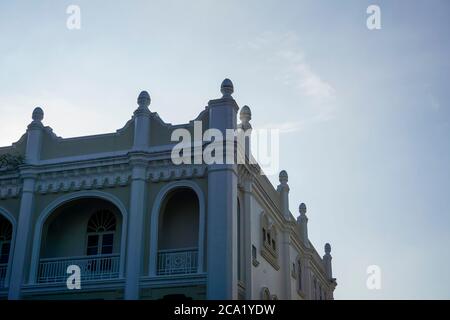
(244, 156)
(134, 252)
(327, 261)
(286, 263)
(302, 222)
(308, 280)
(248, 238)
(23, 233)
(283, 189)
(222, 207)
(23, 237)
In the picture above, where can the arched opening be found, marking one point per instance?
(6, 230)
(85, 232)
(265, 294)
(178, 233)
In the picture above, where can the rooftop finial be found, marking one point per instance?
(227, 88)
(302, 208)
(283, 177)
(144, 99)
(327, 248)
(245, 114)
(38, 114)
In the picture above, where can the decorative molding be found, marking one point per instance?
(89, 178)
(10, 188)
(166, 171)
(246, 172)
(293, 270)
(10, 162)
(269, 240)
(270, 258)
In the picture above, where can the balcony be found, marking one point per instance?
(54, 270)
(177, 261)
(3, 270)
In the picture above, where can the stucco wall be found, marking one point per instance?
(264, 275)
(53, 147)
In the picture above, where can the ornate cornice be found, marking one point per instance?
(175, 172)
(98, 177)
(10, 162)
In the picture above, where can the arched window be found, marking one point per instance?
(5, 240)
(100, 233)
(269, 248)
(178, 233)
(265, 294)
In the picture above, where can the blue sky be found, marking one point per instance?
(364, 114)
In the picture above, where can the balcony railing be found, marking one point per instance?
(54, 270)
(179, 261)
(3, 270)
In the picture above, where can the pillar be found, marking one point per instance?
(23, 232)
(134, 256)
(327, 261)
(302, 222)
(222, 205)
(283, 189)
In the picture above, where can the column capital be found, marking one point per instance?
(223, 102)
(27, 172)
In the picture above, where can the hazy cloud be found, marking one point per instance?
(292, 69)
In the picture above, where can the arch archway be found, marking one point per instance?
(177, 230)
(62, 236)
(7, 237)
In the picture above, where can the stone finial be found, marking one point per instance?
(227, 88)
(38, 114)
(245, 115)
(327, 248)
(302, 208)
(283, 177)
(143, 99)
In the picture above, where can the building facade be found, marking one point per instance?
(139, 226)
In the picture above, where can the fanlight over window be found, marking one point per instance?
(100, 233)
(101, 221)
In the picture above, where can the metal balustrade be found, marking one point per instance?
(3, 270)
(177, 261)
(54, 270)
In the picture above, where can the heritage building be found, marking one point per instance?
(141, 227)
